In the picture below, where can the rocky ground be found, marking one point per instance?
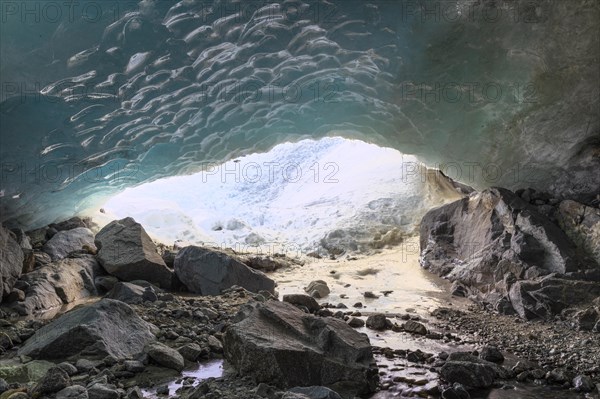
(135, 320)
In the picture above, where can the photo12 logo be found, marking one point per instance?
(56, 12)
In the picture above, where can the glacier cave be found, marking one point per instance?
(292, 199)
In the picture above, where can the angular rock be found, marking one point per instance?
(587, 319)
(126, 251)
(491, 354)
(208, 272)
(377, 322)
(490, 241)
(464, 240)
(475, 375)
(131, 293)
(28, 254)
(583, 383)
(68, 367)
(65, 242)
(317, 289)
(72, 223)
(105, 328)
(277, 343)
(27, 372)
(11, 261)
(165, 356)
(103, 391)
(582, 224)
(105, 283)
(59, 283)
(302, 300)
(546, 296)
(415, 327)
(192, 352)
(356, 322)
(55, 380)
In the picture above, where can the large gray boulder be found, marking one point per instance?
(466, 239)
(59, 283)
(11, 261)
(279, 344)
(126, 251)
(208, 272)
(547, 296)
(67, 241)
(493, 239)
(105, 328)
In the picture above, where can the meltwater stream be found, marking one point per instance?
(193, 376)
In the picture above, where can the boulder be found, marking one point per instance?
(465, 240)
(302, 300)
(131, 293)
(103, 391)
(11, 261)
(491, 354)
(25, 372)
(493, 239)
(278, 344)
(67, 241)
(414, 327)
(582, 224)
(466, 369)
(71, 224)
(126, 251)
(55, 380)
(192, 351)
(105, 328)
(59, 283)
(28, 255)
(208, 272)
(105, 283)
(356, 322)
(475, 375)
(317, 289)
(583, 383)
(378, 322)
(549, 295)
(165, 356)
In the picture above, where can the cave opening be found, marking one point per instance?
(330, 197)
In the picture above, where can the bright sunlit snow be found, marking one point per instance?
(293, 195)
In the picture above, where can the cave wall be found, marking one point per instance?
(96, 99)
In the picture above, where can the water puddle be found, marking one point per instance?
(189, 378)
(394, 275)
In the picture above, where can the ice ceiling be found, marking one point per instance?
(100, 96)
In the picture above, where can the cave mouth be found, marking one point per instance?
(332, 195)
